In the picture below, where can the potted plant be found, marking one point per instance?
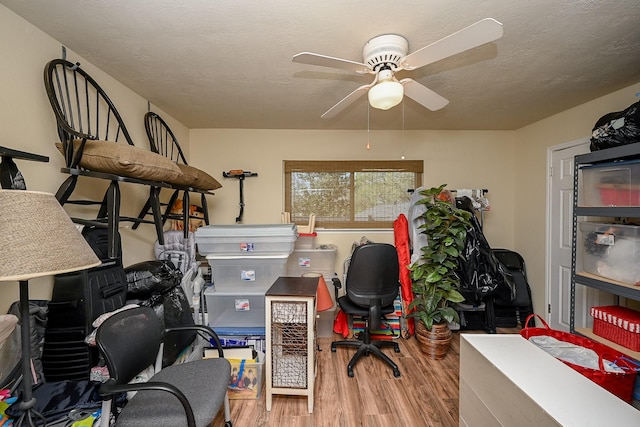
(435, 282)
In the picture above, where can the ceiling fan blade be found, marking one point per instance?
(346, 101)
(484, 31)
(423, 95)
(329, 61)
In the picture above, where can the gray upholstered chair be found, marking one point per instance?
(188, 394)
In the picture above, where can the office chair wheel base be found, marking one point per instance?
(333, 347)
(396, 373)
(228, 424)
(396, 349)
(350, 372)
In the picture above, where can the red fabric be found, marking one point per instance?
(401, 239)
(340, 324)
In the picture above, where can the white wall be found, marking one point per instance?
(460, 159)
(511, 164)
(531, 144)
(27, 123)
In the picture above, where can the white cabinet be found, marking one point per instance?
(507, 381)
(290, 306)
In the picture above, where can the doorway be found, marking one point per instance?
(560, 162)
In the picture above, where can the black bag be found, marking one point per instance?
(156, 284)
(617, 128)
(481, 274)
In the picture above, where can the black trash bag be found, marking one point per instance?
(617, 128)
(149, 278)
(481, 274)
(156, 284)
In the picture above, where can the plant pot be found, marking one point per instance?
(434, 343)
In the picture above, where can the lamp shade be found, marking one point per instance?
(323, 297)
(386, 94)
(38, 238)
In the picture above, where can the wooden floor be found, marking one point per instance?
(426, 394)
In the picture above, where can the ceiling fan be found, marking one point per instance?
(386, 54)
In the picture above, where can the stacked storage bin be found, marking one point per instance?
(307, 257)
(245, 260)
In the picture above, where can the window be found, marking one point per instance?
(350, 194)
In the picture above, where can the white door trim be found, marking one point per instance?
(549, 217)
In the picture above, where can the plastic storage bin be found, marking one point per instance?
(230, 307)
(247, 273)
(321, 260)
(247, 378)
(306, 241)
(611, 184)
(246, 240)
(611, 251)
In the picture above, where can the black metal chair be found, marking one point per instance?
(188, 394)
(163, 141)
(521, 306)
(95, 143)
(371, 286)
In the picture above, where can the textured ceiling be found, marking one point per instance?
(227, 63)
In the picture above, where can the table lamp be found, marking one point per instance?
(38, 239)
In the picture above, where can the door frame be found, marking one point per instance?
(549, 217)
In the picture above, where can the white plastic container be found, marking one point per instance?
(611, 184)
(246, 240)
(611, 251)
(229, 307)
(321, 260)
(306, 240)
(247, 273)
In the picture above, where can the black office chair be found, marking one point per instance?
(188, 394)
(517, 311)
(372, 285)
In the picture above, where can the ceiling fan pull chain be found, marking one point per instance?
(368, 131)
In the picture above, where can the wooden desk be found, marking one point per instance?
(290, 313)
(507, 381)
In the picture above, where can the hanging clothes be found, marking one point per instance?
(401, 241)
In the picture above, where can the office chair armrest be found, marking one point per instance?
(109, 388)
(210, 333)
(337, 284)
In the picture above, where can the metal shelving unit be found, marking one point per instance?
(626, 152)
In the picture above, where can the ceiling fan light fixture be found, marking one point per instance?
(386, 94)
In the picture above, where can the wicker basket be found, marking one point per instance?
(620, 325)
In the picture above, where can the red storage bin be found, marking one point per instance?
(612, 195)
(618, 324)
